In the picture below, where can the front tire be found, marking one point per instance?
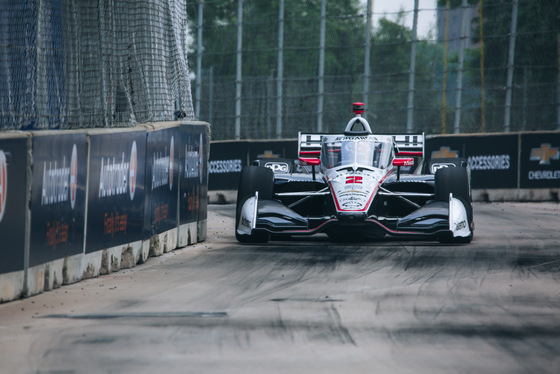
(253, 179)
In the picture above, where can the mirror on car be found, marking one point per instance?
(403, 162)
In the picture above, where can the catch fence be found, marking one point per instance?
(268, 69)
(82, 63)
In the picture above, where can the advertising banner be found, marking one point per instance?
(57, 196)
(13, 204)
(226, 161)
(540, 160)
(493, 159)
(228, 158)
(115, 189)
(162, 180)
(273, 149)
(191, 173)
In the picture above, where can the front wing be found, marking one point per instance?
(433, 220)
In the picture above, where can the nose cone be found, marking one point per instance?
(354, 192)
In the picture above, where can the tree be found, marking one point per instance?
(390, 63)
(535, 59)
(260, 35)
(345, 30)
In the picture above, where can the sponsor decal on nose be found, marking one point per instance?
(354, 179)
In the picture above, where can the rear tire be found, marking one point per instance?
(253, 179)
(455, 180)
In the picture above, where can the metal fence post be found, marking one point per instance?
(103, 71)
(481, 38)
(457, 125)
(444, 96)
(210, 92)
(280, 72)
(411, 73)
(510, 68)
(271, 98)
(367, 50)
(321, 92)
(238, 83)
(199, 59)
(525, 98)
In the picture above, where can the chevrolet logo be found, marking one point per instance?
(544, 154)
(267, 154)
(445, 152)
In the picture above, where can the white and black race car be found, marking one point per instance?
(353, 185)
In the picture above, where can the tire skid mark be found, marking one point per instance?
(338, 328)
(280, 328)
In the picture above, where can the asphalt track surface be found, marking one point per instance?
(310, 306)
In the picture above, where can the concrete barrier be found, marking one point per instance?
(43, 251)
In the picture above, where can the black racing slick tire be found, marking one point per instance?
(455, 180)
(253, 179)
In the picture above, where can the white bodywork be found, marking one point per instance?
(355, 167)
(458, 221)
(248, 218)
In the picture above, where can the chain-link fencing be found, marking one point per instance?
(485, 66)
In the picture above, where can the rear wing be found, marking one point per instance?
(309, 148)
(410, 145)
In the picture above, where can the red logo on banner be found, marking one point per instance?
(354, 179)
(171, 160)
(200, 158)
(73, 176)
(3, 184)
(132, 171)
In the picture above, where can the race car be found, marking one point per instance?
(356, 185)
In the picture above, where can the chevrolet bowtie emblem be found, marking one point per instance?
(544, 154)
(268, 154)
(445, 152)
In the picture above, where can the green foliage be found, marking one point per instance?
(535, 73)
(455, 3)
(535, 46)
(390, 63)
(344, 27)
